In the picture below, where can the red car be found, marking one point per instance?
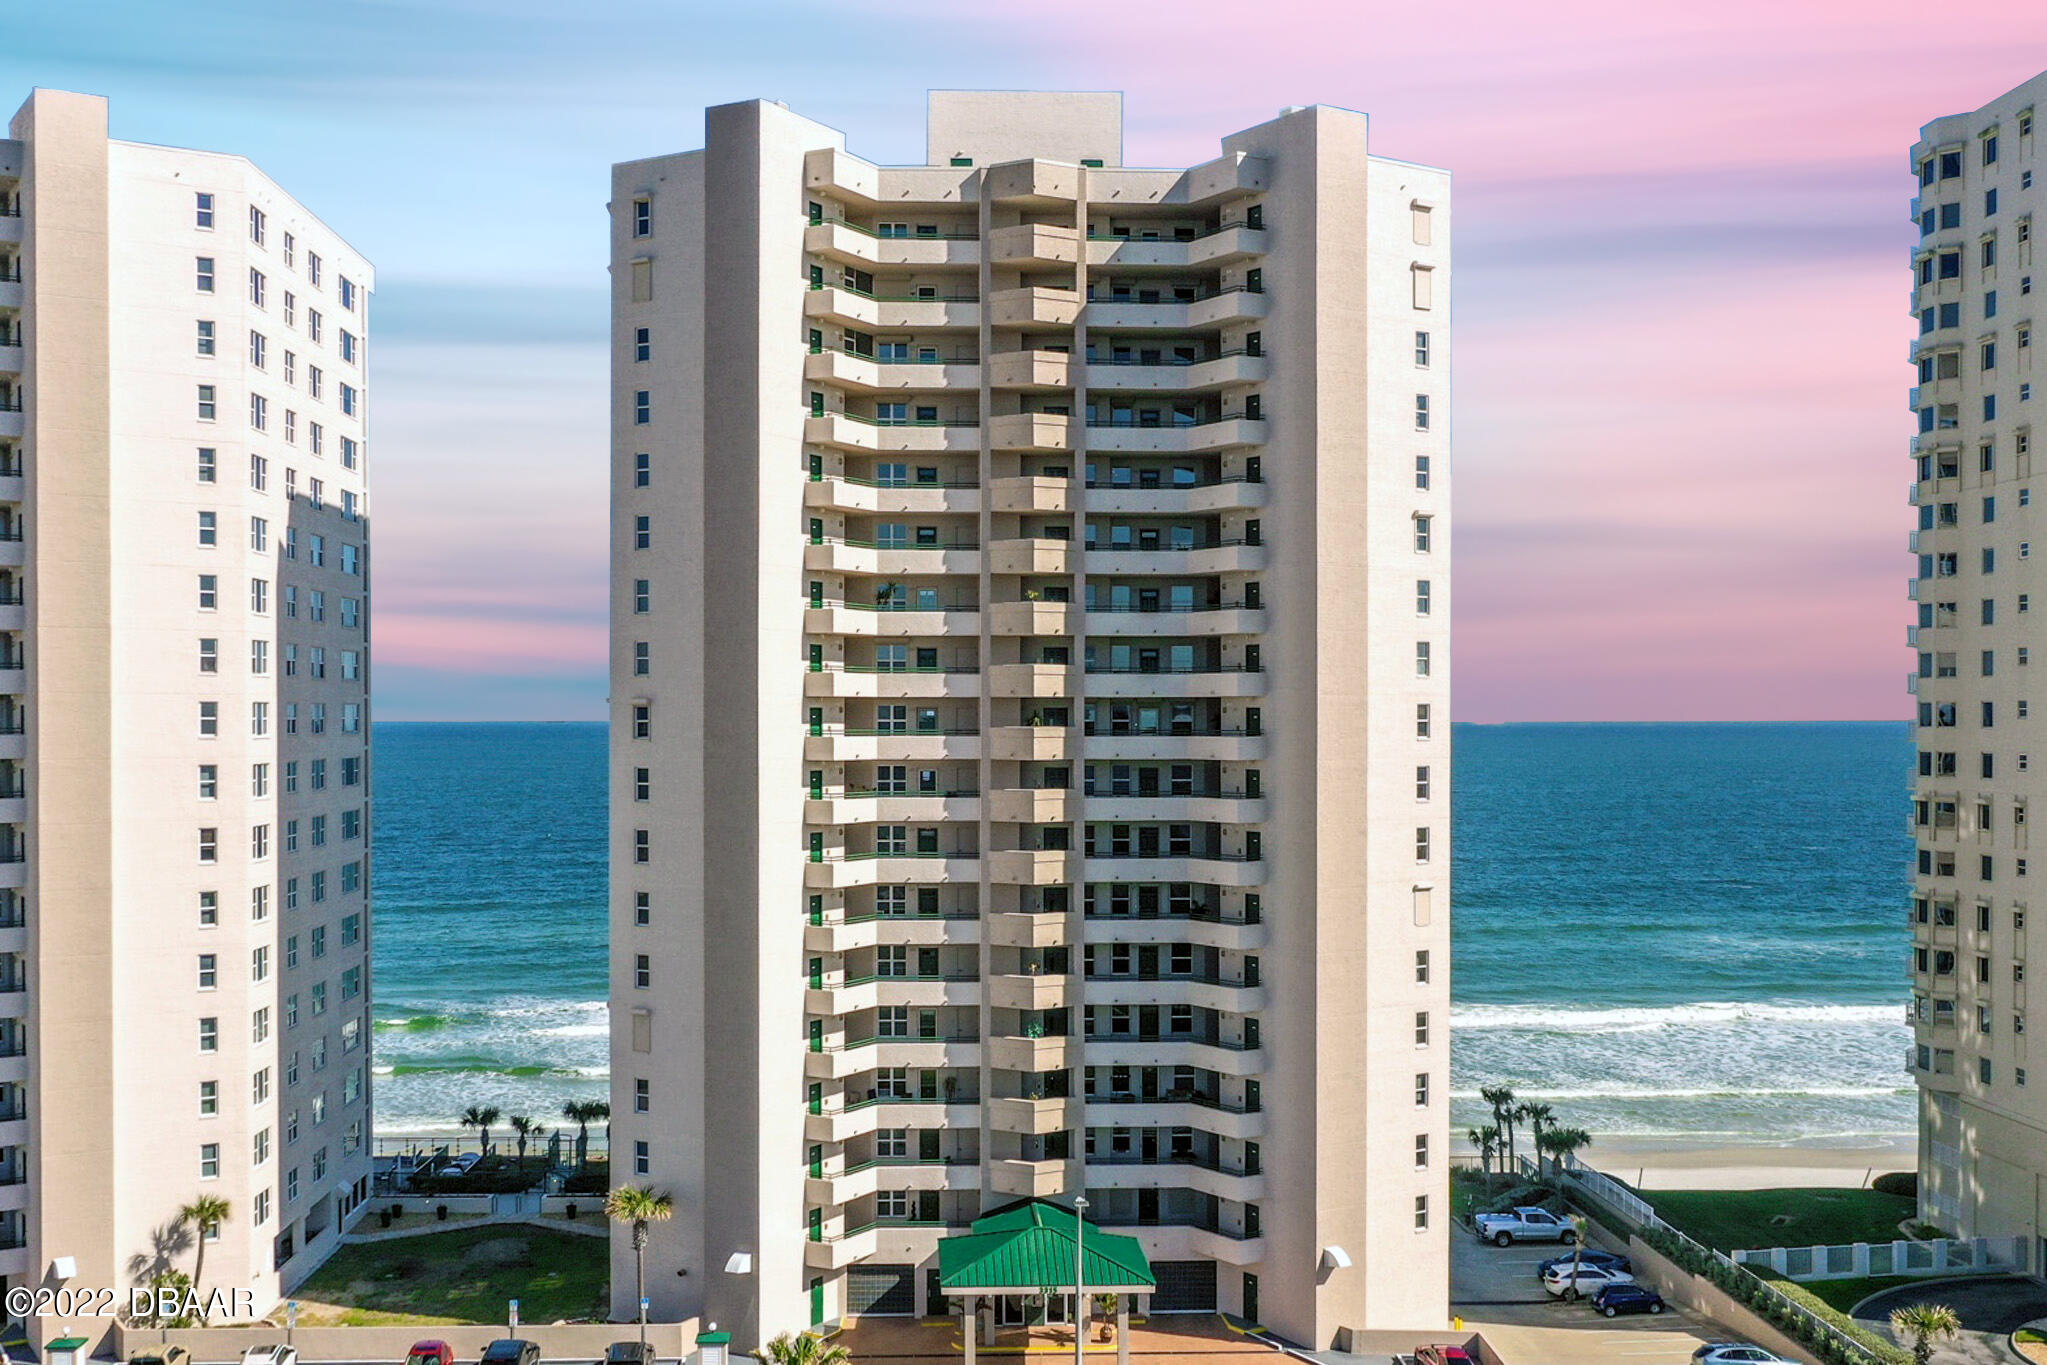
(430, 1353)
(1442, 1355)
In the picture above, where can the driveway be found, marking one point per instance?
(1991, 1309)
(1494, 1290)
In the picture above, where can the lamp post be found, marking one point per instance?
(1079, 1281)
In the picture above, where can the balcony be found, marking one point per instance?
(1027, 495)
(1204, 621)
(1230, 368)
(1033, 990)
(1228, 244)
(1209, 1114)
(841, 745)
(870, 312)
(1219, 433)
(1033, 618)
(865, 1178)
(1217, 557)
(1032, 806)
(835, 554)
(1033, 1117)
(1031, 431)
(866, 1054)
(1229, 305)
(1032, 371)
(891, 622)
(1205, 930)
(1033, 306)
(1214, 744)
(896, 1241)
(1231, 494)
(1164, 1241)
(842, 493)
(1220, 806)
(1034, 867)
(1018, 1053)
(1213, 867)
(1033, 555)
(872, 680)
(1210, 1052)
(1204, 1175)
(870, 992)
(880, 869)
(866, 808)
(1211, 680)
(868, 375)
(957, 436)
(838, 240)
(1233, 175)
(1031, 743)
(1029, 928)
(1034, 244)
(1201, 990)
(1033, 681)
(863, 1117)
(1033, 1179)
(847, 933)
(1043, 183)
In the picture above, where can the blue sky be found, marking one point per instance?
(1681, 276)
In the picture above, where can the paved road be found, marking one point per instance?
(1991, 1309)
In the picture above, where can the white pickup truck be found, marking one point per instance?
(1523, 1225)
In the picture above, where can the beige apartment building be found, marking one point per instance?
(1983, 1117)
(1030, 762)
(184, 784)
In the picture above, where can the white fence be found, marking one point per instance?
(1859, 1259)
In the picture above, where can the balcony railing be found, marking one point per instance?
(951, 235)
(859, 732)
(893, 606)
(1213, 543)
(856, 1044)
(944, 669)
(10, 402)
(1165, 608)
(1199, 978)
(819, 476)
(1162, 1221)
(903, 421)
(955, 1226)
(1200, 235)
(872, 854)
(873, 917)
(1214, 1102)
(1178, 296)
(878, 545)
(899, 976)
(1203, 1039)
(873, 1100)
(954, 296)
(1198, 916)
(1094, 729)
(1127, 486)
(1176, 793)
(1172, 361)
(875, 794)
(1181, 669)
(1203, 1163)
(1179, 422)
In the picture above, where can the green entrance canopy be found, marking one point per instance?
(1028, 1246)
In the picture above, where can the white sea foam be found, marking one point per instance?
(1637, 1019)
(1623, 1092)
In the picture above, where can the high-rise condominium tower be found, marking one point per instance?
(1983, 1119)
(1030, 760)
(184, 783)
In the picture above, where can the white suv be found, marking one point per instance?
(1732, 1353)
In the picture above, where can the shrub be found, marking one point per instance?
(596, 1180)
(1777, 1301)
(1905, 1183)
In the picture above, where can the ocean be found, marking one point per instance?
(1660, 929)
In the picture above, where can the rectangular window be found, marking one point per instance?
(208, 406)
(1421, 412)
(202, 267)
(1421, 350)
(643, 218)
(202, 210)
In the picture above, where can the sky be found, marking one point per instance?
(1682, 240)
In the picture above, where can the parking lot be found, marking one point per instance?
(1495, 1291)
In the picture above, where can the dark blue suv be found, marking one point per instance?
(1616, 1299)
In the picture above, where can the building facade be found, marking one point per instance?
(184, 695)
(1030, 682)
(1983, 1118)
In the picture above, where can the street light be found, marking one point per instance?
(1079, 1281)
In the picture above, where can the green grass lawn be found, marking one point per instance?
(1845, 1294)
(461, 1277)
(1734, 1220)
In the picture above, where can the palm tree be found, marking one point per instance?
(1539, 1116)
(641, 1208)
(599, 1109)
(485, 1117)
(523, 1126)
(207, 1211)
(1487, 1140)
(805, 1348)
(1564, 1143)
(1501, 1098)
(1924, 1323)
(1578, 1226)
(580, 1112)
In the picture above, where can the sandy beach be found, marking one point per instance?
(1678, 1163)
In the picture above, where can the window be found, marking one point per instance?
(643, 532)
(1421, 1089)
(1421, 1028)
(1421, 967)
(643, 472)
(209, 465)
(259, 412)
(1422, 528)
(258, 222)
(202, 210)
(643, 343)
(641, 1097)
(642, 1161)
(643, 850)
(641, 596)
(1421, 658)
(643, 408)
(1421, 350)
(259, 288)
(1421, 720)
(643, 971)
(1421, 412)
(209, 782)
(642, 659)
(209, 1169)
(209, 712)
(1422, 783)
(209, 971)
(643, 907)
(643, 218)
(345, 287)
(207, 404)
(1421, 844)
(203, 273)
(1421, 1156)
(1421, 1208)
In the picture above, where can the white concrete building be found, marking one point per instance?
(1983, 1117)
(1030, 762)
(184, 783)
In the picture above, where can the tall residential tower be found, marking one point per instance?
(1983, 1119)
(1030, 681)
(184, 771)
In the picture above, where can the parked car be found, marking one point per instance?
(1564, 1282)
(1523, 1225)
(430, 1353)
(1734, 1353)
(270, 1355)
(511, 1351)
(1442, 1355)
(162, 1355)
(1612, 1260)
(462, 1164)
(629, 1353)
(1617, 1299)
